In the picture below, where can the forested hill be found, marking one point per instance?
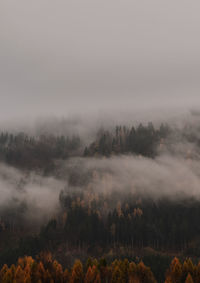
(24, 151)
(77, 206)
(39, 153)
(141, 140)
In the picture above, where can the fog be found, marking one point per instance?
(173, 173)
(35, 199)
(70, 57)
(29, 197)
(73, 67)
(166, 176)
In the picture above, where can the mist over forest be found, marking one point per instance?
(99, 141)
(79, 188)
(134, 186)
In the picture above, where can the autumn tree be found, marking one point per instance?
(77, 275)
(189, 279)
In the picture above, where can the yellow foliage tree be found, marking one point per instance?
(77, 275)
(19, 275)
(189, 279)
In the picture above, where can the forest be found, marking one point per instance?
(99, 141)
(45, 269)
(117, 209)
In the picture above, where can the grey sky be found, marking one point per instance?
(66, 56)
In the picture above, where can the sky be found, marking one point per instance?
(72, 56)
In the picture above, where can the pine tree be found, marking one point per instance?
(77, 273)
(189, 279)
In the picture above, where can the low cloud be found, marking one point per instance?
(165, 176)
(30, 197)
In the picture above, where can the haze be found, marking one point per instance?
(68, 57)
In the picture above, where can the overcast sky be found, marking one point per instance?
(65, 56)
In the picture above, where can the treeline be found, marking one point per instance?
(97, 225)
(46, 270)
(27, 152)
(141, 140)
(180, 273)
(24, 151)
(134, 221)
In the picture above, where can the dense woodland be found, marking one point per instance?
(45, 269)
(36, 153)
(89, 222)
(134, 224)
(141, 140)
